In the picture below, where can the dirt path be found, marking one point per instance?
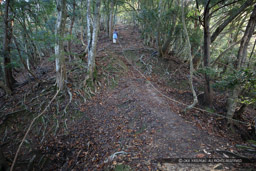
(136, 121)
(145, 125)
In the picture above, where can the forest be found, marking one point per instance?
(175, 91)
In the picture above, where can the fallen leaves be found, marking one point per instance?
(200, 155)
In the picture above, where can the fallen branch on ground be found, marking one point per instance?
(148, 66)
(29, 128)
(112, 157)
(79, 93)
(229, 153)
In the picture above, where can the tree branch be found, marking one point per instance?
(199, 17)
(225, 51)
(252, 52)
(229, 19)
(223, 7)
(217, 3)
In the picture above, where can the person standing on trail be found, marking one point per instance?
(115, 35)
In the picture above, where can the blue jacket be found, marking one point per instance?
(115, 35)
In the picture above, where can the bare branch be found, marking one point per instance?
(229, 19)
(225, 51)
(223, 7)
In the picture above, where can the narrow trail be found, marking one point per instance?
(134, 122)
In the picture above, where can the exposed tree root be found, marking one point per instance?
(70, 100)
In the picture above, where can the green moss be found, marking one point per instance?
(122, 167)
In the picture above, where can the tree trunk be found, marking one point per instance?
(93, 45)
(249, 62)
(61, 76)
(240, 63)
(158, 38)
(34, 52)
(107, 23)
(111, 17)
(106, 16)
(191, 70)
(82, 32)
(34, 43)
(27, 59)
(169, 38)
(242, 53)
(71, 29)
(8, 77)
(89, 33)
(207, 41)
(26, 66)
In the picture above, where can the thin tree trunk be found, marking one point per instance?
(159, 44)
(169, 38)
(26, 66)
(93, 45)
(89, 33)
(89, 29)
(242, 53)
(249, 64)
(191, 70)
(207, 41)
(2, 64)
(106, 16)
(111, 16)
(71, 29)
(30, 57)
(8, 77)
(82, 32)
(107, 24)
(115, 12)
(29, 41)
(34, 44)
(27, 59)
(61, 76)
(81, 23)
